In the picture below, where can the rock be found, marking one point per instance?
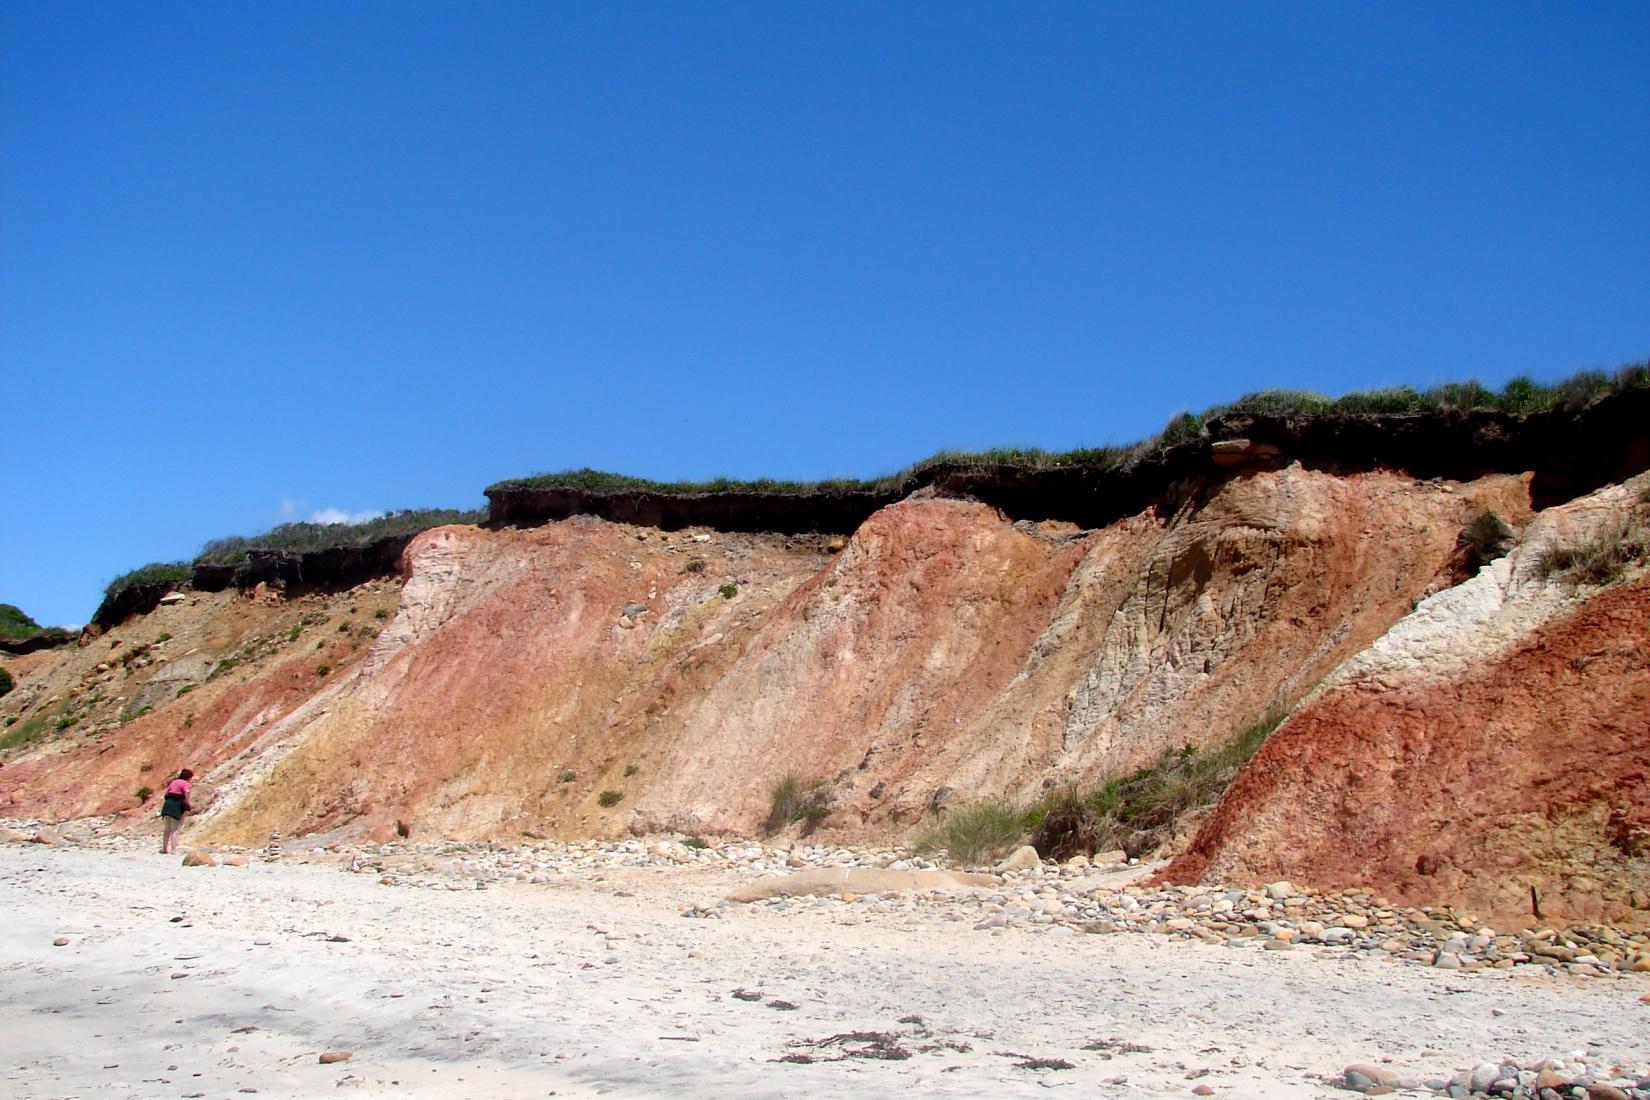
(1237, 452)
(235, 859)
(13, 836)
(1548, 1078)
(195, 857)
(1601, 1091)
(1483, 1076)
(47, 836)
(1353, 920)
(332, 1056)
(1203, 1090)
(825, 881)
(61, 941)
(1277, 891)
(172, 598)
(1363, 1076)
(1023, 858)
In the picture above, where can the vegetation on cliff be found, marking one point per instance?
(292, 538)
(1138, 813)
(298, 538)
(1520, 396)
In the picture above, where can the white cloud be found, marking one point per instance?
(338, 515)
(288, 508)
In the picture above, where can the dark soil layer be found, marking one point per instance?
(329, 568)
(1570, 450)
(48, 639)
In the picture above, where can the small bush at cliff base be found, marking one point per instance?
(1137, 813)
(791, 800)
(1068, 828)
(143, 794)
(5, 681)
(976, 833)
(609, 799)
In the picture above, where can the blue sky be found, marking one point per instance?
(257, 262)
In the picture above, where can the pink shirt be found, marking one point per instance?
(179, 787)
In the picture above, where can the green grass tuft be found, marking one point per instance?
(1601, 558)
(978, 832)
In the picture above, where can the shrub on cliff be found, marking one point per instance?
(5, 681)
(1486, 537)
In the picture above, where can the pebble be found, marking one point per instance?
(332, 1056)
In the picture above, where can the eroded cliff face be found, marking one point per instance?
(1494, 740)
(943, 649)
(944, 653)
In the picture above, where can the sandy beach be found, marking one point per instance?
(231, 980)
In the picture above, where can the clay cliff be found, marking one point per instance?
(1495, 739)
(1452, 732)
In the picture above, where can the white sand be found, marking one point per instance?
(517, 991)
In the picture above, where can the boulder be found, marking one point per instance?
(1023, 858)
(824, 881)
(195, 857)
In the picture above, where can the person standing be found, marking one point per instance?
(172, 809)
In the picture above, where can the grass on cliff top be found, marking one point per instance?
(156, 572)
(302, 537)
(18, 627)
(1521, 395)
(296, 538)
(1137, 813)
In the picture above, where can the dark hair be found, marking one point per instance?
(186, 774)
